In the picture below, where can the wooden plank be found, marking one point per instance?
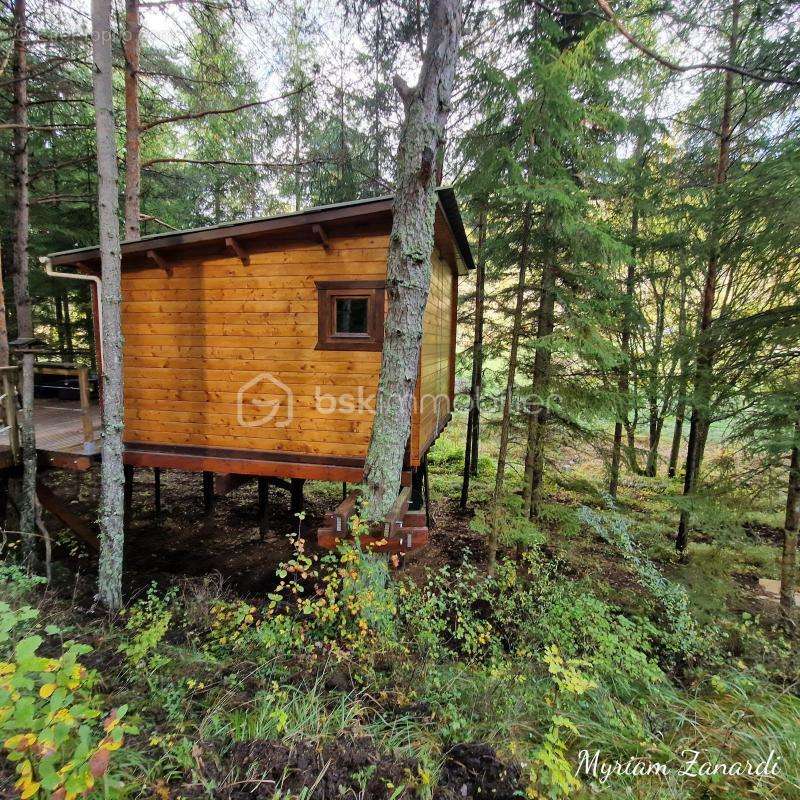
(59, 509)
(243, 466)
(298, 447)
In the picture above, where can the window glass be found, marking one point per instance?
(351, 314)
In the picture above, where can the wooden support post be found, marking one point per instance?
(157, 483)
(127, 504)
(86, 411)
(208, 493)
(416, 489)
(427, 498)
(297, 495)
(10, 378)
(263, 508)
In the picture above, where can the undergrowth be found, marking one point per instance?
(589, 645)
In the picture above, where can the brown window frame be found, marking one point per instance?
(327, 294)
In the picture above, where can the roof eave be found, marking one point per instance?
(338, 212)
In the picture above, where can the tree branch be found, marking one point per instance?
(223, 162)
(674, 67)
(200, 114)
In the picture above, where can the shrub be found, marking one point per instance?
(147, 624)
(49, 717)
(344, 601)
(677, 630)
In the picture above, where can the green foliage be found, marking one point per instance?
(679, 634)
(17, 582)
(232, 623)
(581, 626)
(552, 775)
(509, 524)
(147, 623)
(343, 600)
(50, 716)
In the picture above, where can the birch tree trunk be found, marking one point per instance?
(133, 167)
(111, 476)
(408, 272)
(24, 494)
(790, 528)
(704, 361)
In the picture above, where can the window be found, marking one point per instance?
(350, 315)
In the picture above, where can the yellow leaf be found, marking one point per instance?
(30, 791)
(109, 744)
(20, 742)
(46, 690)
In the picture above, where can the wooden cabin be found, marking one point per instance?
(254, 348)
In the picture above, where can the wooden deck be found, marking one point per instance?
(60, 437)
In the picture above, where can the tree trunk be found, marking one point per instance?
(471, 444)
(3, 323)
(623, 381)
(540, 384)
(133, 167)
(655, 416)
(408, 271)
(26, 493)
(680, 407)
(516, 330)
(111, 476)
(789, 556)
(704, 361)
(505, 425)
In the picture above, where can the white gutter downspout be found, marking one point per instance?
(50, 270)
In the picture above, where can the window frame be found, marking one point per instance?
(327, 294)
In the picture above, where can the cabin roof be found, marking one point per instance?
(351, 211)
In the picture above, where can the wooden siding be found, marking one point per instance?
(435, 392)
(195, 337)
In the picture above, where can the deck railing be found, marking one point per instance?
(9, 376)
(80, 372)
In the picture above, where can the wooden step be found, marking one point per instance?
(410, 539)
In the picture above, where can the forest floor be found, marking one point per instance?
(266, 669)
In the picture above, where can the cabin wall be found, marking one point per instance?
(437, 360)
(194, 339)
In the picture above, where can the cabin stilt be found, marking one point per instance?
(296, 493)
(263, 508)
(416, 489)
(157, 493)
(208, 493)
(127, 504)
